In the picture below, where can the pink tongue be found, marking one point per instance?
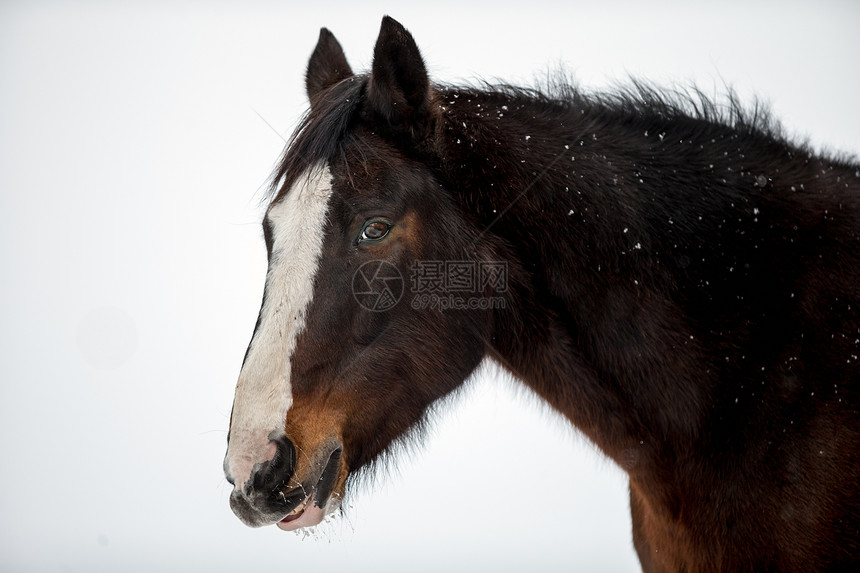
(312, 515)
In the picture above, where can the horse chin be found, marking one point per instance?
(322, 500)
(308, 513)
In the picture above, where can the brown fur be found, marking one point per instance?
(684, 286)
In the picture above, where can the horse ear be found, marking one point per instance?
(327, 65)
(399, 88)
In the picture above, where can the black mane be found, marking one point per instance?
(688, 112)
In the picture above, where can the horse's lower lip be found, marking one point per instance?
(299, 510)
(312, 508)
(307, 516)
(292, 517)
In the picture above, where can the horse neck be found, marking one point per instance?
(589, 325)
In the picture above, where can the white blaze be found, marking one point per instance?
(263, 392)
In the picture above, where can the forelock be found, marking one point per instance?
(320, 134)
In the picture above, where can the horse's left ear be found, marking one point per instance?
(327, 65)
(399, 89)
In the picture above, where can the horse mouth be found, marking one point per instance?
(295, 514)
(321, 500)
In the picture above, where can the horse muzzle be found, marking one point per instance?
(289, 491)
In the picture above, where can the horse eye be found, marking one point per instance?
(375, 230)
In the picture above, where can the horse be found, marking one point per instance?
(669, 271)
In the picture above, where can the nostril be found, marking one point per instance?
(275, 473)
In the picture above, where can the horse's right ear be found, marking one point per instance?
(327, 65)
(398, 90)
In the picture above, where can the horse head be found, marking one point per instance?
(344, 360)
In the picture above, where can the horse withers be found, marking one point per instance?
(672, 274)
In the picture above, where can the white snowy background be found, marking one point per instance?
(134, 141)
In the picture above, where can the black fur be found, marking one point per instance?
(684, 287)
